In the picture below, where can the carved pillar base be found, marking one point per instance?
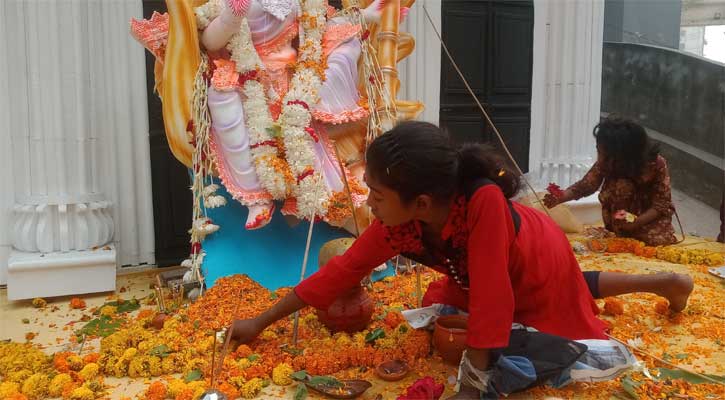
(59, 274)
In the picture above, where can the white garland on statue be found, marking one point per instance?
(259, 121)
(296, 116)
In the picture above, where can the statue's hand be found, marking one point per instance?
(239, 7)
(374, 11)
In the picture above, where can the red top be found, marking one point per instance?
(531, 278)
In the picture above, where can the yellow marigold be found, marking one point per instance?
(171, 324)
(359, 339)
(172, 364)
(89, 372)
(19, 376)
(95, 385)
(175, 387)
(197, 387)
(16, 357)
(82, 393)
(39, 303)
(281, 374)
(342, 339)
(244, 363)
(75, 362)
(268, 334)
(57, 383)
(144, 366)
(36, 386)
(195, 363)
(108, 311)
(186, 394)
(129, 353)
(237, 381)
(120, 369)
(251, 388)
(9, 388)
(146, 345)
(386, 343)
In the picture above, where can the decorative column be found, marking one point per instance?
(420, 73)
(566, 88)
(62, 222)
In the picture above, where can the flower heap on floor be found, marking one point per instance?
(180, 353)
(673, 254)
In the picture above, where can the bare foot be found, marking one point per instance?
(676, 288)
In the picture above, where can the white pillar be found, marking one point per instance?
(76, 101)
(566, 88)
(420, 72)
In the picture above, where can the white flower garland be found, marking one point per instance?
(296, 116)
(258, 118)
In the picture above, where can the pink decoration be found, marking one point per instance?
(423, 389)
(152, 33)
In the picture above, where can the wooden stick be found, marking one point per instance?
(228, 338)
(689, 371)
(213, 360)
(418, 284)
(347, 189)
(159, 285)
(295, 326)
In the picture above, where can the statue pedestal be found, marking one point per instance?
(59, 274)
(271, 256)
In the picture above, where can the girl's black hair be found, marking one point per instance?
(417, 158)
(626, 146)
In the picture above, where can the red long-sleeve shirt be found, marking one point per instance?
(531, 277)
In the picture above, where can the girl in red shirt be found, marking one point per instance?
(504, 262)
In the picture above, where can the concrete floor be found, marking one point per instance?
(698, 218)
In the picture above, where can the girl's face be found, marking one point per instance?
(386, 205)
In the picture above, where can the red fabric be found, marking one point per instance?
(343, 272)
(532, 278)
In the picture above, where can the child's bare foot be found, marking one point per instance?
(676, 288)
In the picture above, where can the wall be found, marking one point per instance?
(643, 21)
(681, 99)
(72, 82)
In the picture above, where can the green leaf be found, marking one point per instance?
(301, 393)
(689, 377)
(666, 356)
(402, 328)
(273, 296)
(266, 383)
(160, 351)
(122, 306)
(328, 381)
(630, 386)
(371, 337)
(103, 326)
(299, 375)
(193, 375)
(681, 356)
(253, 357)
(197, 323)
